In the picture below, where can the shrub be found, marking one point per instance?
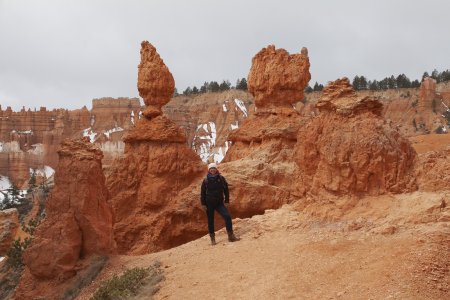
(129, 283)
(15, 252)
(85, 277)
(32, 225)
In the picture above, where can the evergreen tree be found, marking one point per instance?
(435, 75)
(175, 92)
(225, 85)
(374, 85)
(241, 84)
(392, 83)
(403, 81)
(425, 75)
(214, 87)
(187, 91)
(317, 87)
(363, 83)
(356, 82)
(415, 84)
(308, 89)
(384, 84)
(195, 90)
(204, 88)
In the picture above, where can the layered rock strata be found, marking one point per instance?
(349, 149)
(260, 158)
(78, 222)
(154, 203)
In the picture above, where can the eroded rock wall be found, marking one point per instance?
(78, 223)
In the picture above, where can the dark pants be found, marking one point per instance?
(223, 211)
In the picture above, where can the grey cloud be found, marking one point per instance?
(64, 53)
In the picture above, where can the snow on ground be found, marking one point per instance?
(4, 183)
(241, 106)
(30, 132)
(36, 149)
(233, 127)
(132, 117)
(10, 147)
(207, 140)
(91, 134)
(115, 129)
(208, 148)
(225, 109)
(46, 171)
(1, 258)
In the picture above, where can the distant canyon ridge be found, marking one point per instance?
(29, 138)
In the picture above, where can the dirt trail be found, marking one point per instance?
(397, 249)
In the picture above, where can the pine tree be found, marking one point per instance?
(187, 91)
(308, 89)
(225, 85)
(425, 75)
(363, 83)
(204, 88)
(241, 84)
(214, 86)
(195, 90)
(356, 83)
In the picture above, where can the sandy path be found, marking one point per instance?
(287, 255)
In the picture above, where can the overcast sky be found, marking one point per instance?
(64, 53)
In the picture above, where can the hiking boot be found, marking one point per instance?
(213, 239)
(232, 237)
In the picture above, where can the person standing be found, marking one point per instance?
(216, 197)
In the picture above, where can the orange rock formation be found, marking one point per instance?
(78, 222)
(9, 224)
(152, 210)
(155, 82)
(350, 149)
(278, 78)
(260, 159)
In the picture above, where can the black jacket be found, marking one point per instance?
(214, 188)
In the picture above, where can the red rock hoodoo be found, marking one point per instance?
(78, 222)
(278, 78)
(150, 185)
(155, 82)
(260, 158)
(349, 149)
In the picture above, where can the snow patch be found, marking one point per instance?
(36, 149)
(233, 127)
(4, 183)
(1, 258)
(91, 134)
(225, 109)
(241, 106)
(132, 117)
(115, 129)
(46, 171)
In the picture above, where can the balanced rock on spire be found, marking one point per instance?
(155, 82)
(278, 78)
